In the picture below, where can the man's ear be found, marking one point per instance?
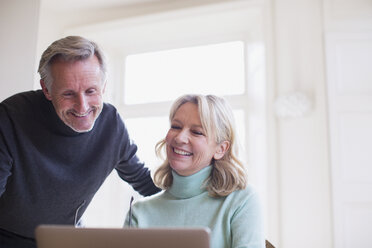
(45, 90)
(104, 87)
(221, 150)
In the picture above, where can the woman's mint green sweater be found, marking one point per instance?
(235, 220)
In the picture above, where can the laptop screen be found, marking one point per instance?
(54, 236)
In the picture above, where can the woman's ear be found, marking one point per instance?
(221, 150)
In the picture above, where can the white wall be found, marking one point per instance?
(302, 143)
(18, 38)
(348, 26)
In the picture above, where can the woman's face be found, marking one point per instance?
(188, 148)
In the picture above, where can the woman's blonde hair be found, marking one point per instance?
(228, 173)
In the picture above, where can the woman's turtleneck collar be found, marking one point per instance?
(188, 186)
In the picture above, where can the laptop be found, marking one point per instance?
(57, 236)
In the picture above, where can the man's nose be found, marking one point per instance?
(81, 104)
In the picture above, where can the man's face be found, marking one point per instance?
(76, 92)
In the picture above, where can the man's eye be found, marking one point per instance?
(91, 91)
(67, 94)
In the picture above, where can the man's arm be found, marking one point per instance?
(5, 159)
(133, 171)
(5, 167)
(136, 174)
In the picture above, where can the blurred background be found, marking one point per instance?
(296, 72)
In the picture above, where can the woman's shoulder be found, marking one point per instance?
(149, 200)
(247, 191)
(243, 196)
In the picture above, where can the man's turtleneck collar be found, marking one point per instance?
(189, 186)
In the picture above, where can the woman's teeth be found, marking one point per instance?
(182, 152)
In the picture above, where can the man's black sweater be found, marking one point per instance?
(49, 173)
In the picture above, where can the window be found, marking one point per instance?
(209, 69)
(157, 58)
(162, 76)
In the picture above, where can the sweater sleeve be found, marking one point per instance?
(133, 171)
(247, 223)
(5, 158)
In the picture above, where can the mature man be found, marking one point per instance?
(58, 144)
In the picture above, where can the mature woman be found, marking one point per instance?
(205, 184)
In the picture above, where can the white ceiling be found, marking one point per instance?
(73, 5)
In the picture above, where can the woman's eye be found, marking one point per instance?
(175, 127)
(198, 132)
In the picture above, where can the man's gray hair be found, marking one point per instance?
(69, 49)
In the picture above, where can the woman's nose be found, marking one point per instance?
(182, 137)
